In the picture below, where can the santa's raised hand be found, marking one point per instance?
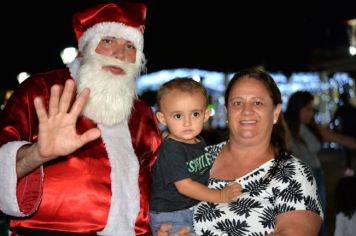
(57, 135)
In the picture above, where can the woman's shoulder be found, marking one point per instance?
(300, 168)
(297, 162)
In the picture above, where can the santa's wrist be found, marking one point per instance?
(28, 159)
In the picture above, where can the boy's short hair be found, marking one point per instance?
(184, 84)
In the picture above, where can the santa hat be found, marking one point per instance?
(122, 20)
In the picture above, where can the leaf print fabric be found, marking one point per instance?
(292, 187)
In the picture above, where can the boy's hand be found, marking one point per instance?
(230, 192)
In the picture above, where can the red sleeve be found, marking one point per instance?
(19, 123)
(29, 191)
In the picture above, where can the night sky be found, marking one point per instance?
(219, 35)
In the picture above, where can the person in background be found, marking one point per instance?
(308, 137)
(345, 206)
(181, 171)
(280, 195)
(77, 144)
(344, 121)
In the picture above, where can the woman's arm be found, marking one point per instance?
(332, 136)
(297, 223)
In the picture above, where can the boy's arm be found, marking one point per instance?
(200, 192)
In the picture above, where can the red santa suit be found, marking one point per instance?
(104, 186)
(75, 193)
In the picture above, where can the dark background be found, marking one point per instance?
(212, 35)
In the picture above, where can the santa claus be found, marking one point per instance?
(77, 144)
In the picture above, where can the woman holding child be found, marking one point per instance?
(279, 192)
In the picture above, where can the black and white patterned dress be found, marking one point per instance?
(291, 187)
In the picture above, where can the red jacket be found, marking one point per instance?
(74, 193)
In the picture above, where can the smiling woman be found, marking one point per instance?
(278, 196)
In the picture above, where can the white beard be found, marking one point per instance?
(111, 96)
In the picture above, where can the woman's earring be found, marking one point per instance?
(274, 121)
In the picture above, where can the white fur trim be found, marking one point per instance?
(125, 199)
(8, 177)
(74, 68)
(112, 29)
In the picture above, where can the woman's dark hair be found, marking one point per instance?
(296, 102)
(279, 136)
(345, 195)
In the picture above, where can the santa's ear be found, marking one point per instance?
(160, 118)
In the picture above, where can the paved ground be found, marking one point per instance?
(333, 165)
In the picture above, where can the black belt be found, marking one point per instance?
(40, 232)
